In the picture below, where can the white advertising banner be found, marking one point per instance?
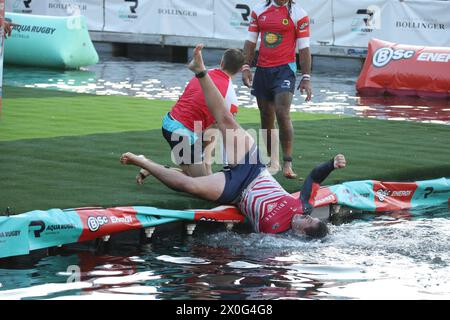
(130, 16)
(232, 18)
(320, 13)
(193, 18)
(356, 22)
(27, 6)
(91, 9)
(424, 23)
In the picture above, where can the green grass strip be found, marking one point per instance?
(76, 168)
(37, 113)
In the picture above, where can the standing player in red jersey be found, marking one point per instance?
(283, 26)
(248, 184)
(185, 125)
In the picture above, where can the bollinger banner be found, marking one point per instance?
(347, 23)
(422, 23)
(193, 18)
(91, 9)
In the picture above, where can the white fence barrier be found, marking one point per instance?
(333, 22)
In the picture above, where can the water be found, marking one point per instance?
(374, 257)
(163, 80)
(403, 255)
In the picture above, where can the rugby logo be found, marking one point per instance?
(133, 7)
(383, 56)
(246, 11)
(22, 6)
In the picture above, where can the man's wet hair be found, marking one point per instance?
(233, 60)
(317, 232)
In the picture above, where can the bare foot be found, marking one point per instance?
(131, 158)
(339, 161)
(273, 167)
(197, 65)
(288, 172)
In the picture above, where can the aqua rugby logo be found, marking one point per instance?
(384, 56)
(367, 20)
(241, 17)
(39, 226)
(131, 10)
(22, 6)
(133, 7)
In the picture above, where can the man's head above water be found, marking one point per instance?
(309, 226)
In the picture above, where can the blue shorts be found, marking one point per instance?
(185, 145)
(268, 82)
(240, 176)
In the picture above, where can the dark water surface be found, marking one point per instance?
(334, 91)
(403, 255)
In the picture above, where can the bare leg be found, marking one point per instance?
(195, 170)
(209, 187)
(267, 114)
(282, 109)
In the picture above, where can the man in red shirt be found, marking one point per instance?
(185, 125)
(283, 26)
(248, 184)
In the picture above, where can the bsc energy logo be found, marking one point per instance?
(385, 55)
(94, 223)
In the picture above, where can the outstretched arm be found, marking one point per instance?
(213, 97)
(315, 178)
(237, 141)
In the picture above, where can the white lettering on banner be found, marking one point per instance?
(95, 222)
(126, 219)
(67, 6)
(420, 25)
(385, 55)
(178, 12)
(402, 193)
(434, 57)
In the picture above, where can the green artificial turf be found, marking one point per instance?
(61, 150)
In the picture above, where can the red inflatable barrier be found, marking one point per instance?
(399, 69)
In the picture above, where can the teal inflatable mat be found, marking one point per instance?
(46, 41)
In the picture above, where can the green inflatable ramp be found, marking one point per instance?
(45, 41)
